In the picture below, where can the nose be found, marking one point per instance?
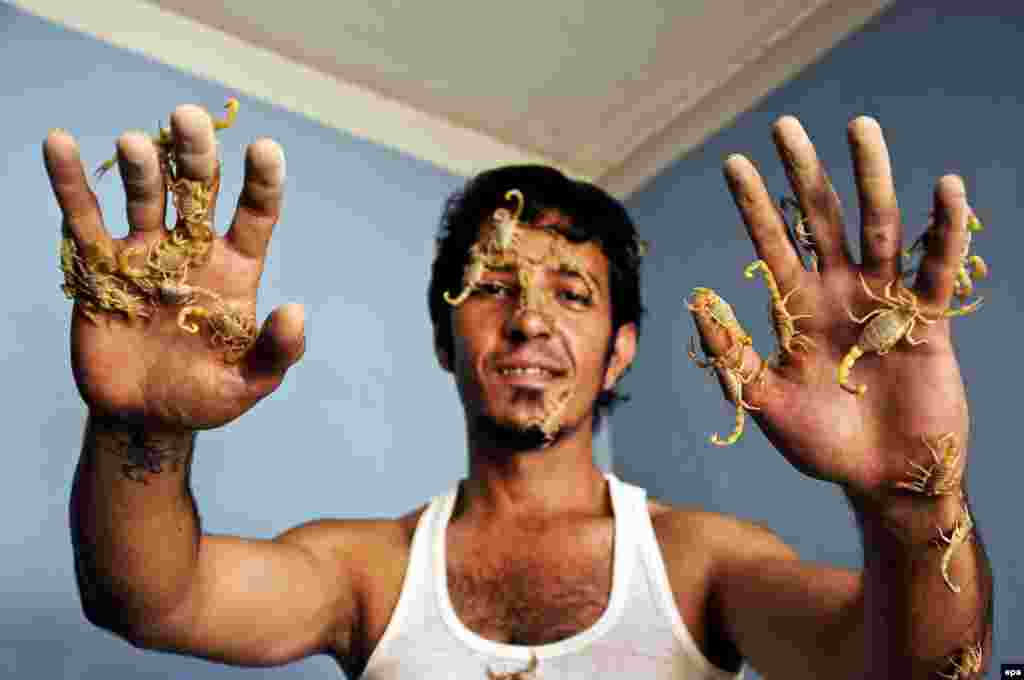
(527, 321)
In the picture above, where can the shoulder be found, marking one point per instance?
(355, 542)
(697, 546)
(718, 537)
(371, 556)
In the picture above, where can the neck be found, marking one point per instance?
(534, 485)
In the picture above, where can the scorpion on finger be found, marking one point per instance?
(709, 305)
(784, 322)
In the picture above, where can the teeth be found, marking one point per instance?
(533, 370)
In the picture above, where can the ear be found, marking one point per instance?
(623, 351)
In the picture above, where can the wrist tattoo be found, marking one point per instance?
(143, 453)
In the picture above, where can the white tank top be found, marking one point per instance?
(639, 635)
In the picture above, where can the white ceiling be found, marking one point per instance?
(611, 91)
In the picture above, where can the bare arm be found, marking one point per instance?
(148, 573)
(896, 618)
(867, 394)
(134, 524)
(164, 343)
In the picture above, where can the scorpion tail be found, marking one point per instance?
(734, 437)
(843, 374)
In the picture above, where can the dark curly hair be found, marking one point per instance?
(594, 216)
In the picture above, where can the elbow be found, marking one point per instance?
(141, 630)
(111, 619)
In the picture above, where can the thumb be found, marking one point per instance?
(728, 349)
(723, 339)
(281, 342)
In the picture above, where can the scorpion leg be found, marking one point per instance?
(909, 337)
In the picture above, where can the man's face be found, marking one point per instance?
(531, 344)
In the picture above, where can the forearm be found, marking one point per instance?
(927, 603)
(134, 526)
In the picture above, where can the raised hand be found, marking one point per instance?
(163, 331)
(865, 434)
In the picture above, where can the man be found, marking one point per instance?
(536, 565)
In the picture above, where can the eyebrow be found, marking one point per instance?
(566, 270)
(563, 269)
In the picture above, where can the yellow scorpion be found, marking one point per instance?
(501, 237)
(890, 324)
(942, 477)
(965, 664)
(708, 304)
(525, 674)
(784, 322)
(800, 235)
(958, 535)
(164, 140)
(970, 269)
(101, 281)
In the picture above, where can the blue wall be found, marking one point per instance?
(945, 85)
(365, 425)
(357, 214)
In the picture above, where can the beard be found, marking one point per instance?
(540, 426)
(512, 436)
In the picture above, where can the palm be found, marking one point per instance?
(835, 435)
(150, 369)
(153, 370)
(826, 431)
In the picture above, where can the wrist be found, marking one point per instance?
(103, 421)
(908, 518)
(144, 451)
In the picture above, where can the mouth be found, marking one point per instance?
(529, 374)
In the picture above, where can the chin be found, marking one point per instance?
(513, 433)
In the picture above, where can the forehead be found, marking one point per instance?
(543, 241)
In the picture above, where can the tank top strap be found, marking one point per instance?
(630, 503)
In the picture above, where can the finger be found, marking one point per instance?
(818, 200)
(764, 222)
(880, 232)
(945, 244)
(727, 344)
(281, 343)
(259, 206)
(195, 148)
(82, 217)
(145, 193)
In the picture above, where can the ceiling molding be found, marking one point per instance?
(630, 138)
(752, 81)
(200, 50)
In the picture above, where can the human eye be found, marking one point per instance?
(575, 297)
(493, 288)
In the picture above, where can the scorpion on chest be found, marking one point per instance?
(528, 673)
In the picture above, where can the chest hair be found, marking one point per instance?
(539, 590)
